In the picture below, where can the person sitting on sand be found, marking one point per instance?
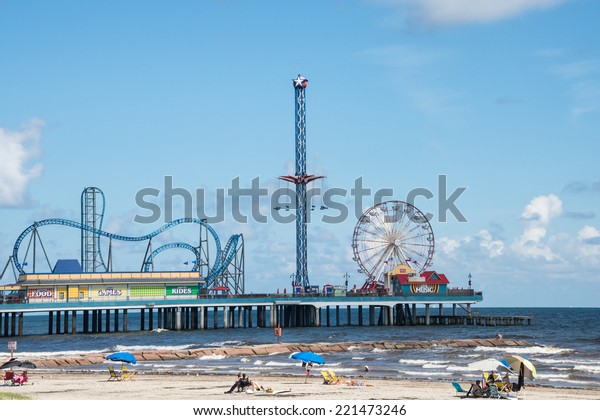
(475, 389)
(242, 382)
(506, 385)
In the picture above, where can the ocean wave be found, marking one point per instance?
(554, 376)
(152, 348)
(376, 350)
(285, 364)
(426, 364)
(469, 355)
(51, 354)
(213, 357)
(420, 373)
(413, 361)
(524, 350)
(433, 365)
(358, 358)
(226, 343)
(588, 368)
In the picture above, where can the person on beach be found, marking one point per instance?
(309, 366)
(506, 384)
(476, 390)
(242, 382)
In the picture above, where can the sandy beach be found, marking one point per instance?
(96, 386)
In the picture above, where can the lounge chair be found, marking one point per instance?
(127, 374)
(326, 378)
(114, 375)
(336, 379)
(459, 389)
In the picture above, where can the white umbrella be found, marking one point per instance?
(486, 365)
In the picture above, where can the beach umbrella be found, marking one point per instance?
(12, 363)
(519, 362)
(487, 365)
(308, 357)
(122, 356)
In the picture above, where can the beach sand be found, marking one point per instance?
(95, 386)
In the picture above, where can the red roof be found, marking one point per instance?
(431, 277)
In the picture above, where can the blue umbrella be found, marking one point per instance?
(307, 356)
(122, 356)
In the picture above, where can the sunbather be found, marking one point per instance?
(241, 382)
(475, 390)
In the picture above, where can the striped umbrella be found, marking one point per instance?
(514, 362)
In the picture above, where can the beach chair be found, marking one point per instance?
(20, 379)
(114, 375)
(126, 374)
(493, 391)
(460, 392)
(8, 378)
(336, 379)
(327, 380)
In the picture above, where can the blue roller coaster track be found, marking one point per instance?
(222, 260)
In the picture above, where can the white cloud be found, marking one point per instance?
(494, 247)
(538, 214)
(18, 149)
(588, 232)
(542, 208)
(530, 244)
(448, 246)
(456, 12)
(480, 245)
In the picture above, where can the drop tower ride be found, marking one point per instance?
(301, 179)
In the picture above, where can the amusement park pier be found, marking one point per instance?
(393, 246)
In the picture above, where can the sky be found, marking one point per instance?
(500, 98)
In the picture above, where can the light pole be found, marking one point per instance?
(346, 276)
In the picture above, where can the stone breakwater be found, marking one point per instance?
(266, 349)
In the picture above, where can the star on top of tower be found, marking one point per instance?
(300, 82)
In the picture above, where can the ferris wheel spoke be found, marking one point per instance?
(418, 254)
(376, 241)
(381, 262)
(380, 226)
(373, 233)
(372, 248)
(413, 229)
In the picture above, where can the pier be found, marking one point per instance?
(262, 311)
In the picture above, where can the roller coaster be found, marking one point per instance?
(219, 273)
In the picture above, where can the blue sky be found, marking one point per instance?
(502, 97)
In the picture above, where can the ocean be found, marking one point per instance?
(565, 348)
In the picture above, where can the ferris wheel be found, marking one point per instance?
(389, 234)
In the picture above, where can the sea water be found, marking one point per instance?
(565, 348)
